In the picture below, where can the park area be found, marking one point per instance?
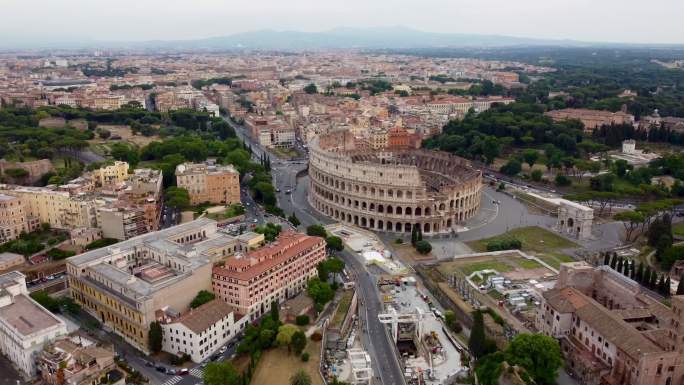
(277, 365)
(536, 241)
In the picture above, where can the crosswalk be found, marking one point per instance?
(197, 372)
(173, 380)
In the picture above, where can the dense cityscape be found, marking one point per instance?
(356, 211)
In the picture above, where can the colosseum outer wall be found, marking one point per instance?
(436, 191)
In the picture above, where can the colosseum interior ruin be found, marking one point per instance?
(391, 191)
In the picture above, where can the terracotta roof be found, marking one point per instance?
(287, 245)
(201, 318)
(606, 322)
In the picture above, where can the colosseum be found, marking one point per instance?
(391, 191)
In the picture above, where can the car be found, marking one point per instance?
(171, 371)
(255, 221)
(183, 372)
(149, 364)
(160, 368)
(223, 349)
(203, 364)
(288, 191)
(215, 357)
(277, 190)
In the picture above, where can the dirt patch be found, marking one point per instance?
(277, 366)
(126, 135)
(408, 254)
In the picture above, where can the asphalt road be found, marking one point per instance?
(374, 337)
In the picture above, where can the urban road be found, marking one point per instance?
(375, 338)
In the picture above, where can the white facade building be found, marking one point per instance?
(202, 331)
(25, 326)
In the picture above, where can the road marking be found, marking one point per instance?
(173, 380)
(197, 372)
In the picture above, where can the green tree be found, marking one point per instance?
(275, 311)
(294, 220)
(298, 342)
(285, 333)
(177, 197)
(491, 148)
(631, 220)
(680, 286)
(538, 354)
(320, 292)
(300, 377)
(334, 243)
(316, 231)
(537, 175)
(311, 89)
(476, 342)
(423, 247)
(155, 337)
(221, 373)
(201, 298)
(531, 157)
(511, 168)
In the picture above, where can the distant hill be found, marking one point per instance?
(368, 38)
(354, 38)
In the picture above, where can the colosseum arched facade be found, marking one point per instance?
(391, 191)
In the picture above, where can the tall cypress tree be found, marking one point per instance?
(639, 276)
(680, 286)
(668, 285)
(618, 268)
(646, 278)
(606, 258)
(476, 343)
(654, 280)
(414, 235)
(660, 286)
(613, 261)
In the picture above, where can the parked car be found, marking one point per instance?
(160, 368)
(171, 371)
(183, 372)
(223, 349)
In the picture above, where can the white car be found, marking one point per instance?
(223, 349)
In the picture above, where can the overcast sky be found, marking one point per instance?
(638, 21)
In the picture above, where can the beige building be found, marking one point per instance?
(209, 182)
(10, 260)
(391, 191)
(611, 330)
(12, 218)
(592, 119)
(123, 285)
(58, 208)
(112, 174)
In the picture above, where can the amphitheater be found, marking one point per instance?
(391, 191)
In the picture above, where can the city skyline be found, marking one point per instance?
(73, 21)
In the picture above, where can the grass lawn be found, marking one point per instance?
(231, 211)
(533, 238)
(341, 312)
(493, 264)
(529, 264)
(555, 259)
(277, 366)
(284, 152)
(678, 229)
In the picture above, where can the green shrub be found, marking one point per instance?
(504, 244)
(305, 357)
(302, 320)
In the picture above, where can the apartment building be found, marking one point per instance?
(112, 174)
(202, 331)
(80, 360)
(121, 221)
(125, 284)
(12, 218)
(611, 330)
(10, 260)
(25, 326)
(60, 209)
(278, 271)
(209, 182)
(592, 119)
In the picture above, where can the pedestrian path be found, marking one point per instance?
(197, 372)
(173, 380)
